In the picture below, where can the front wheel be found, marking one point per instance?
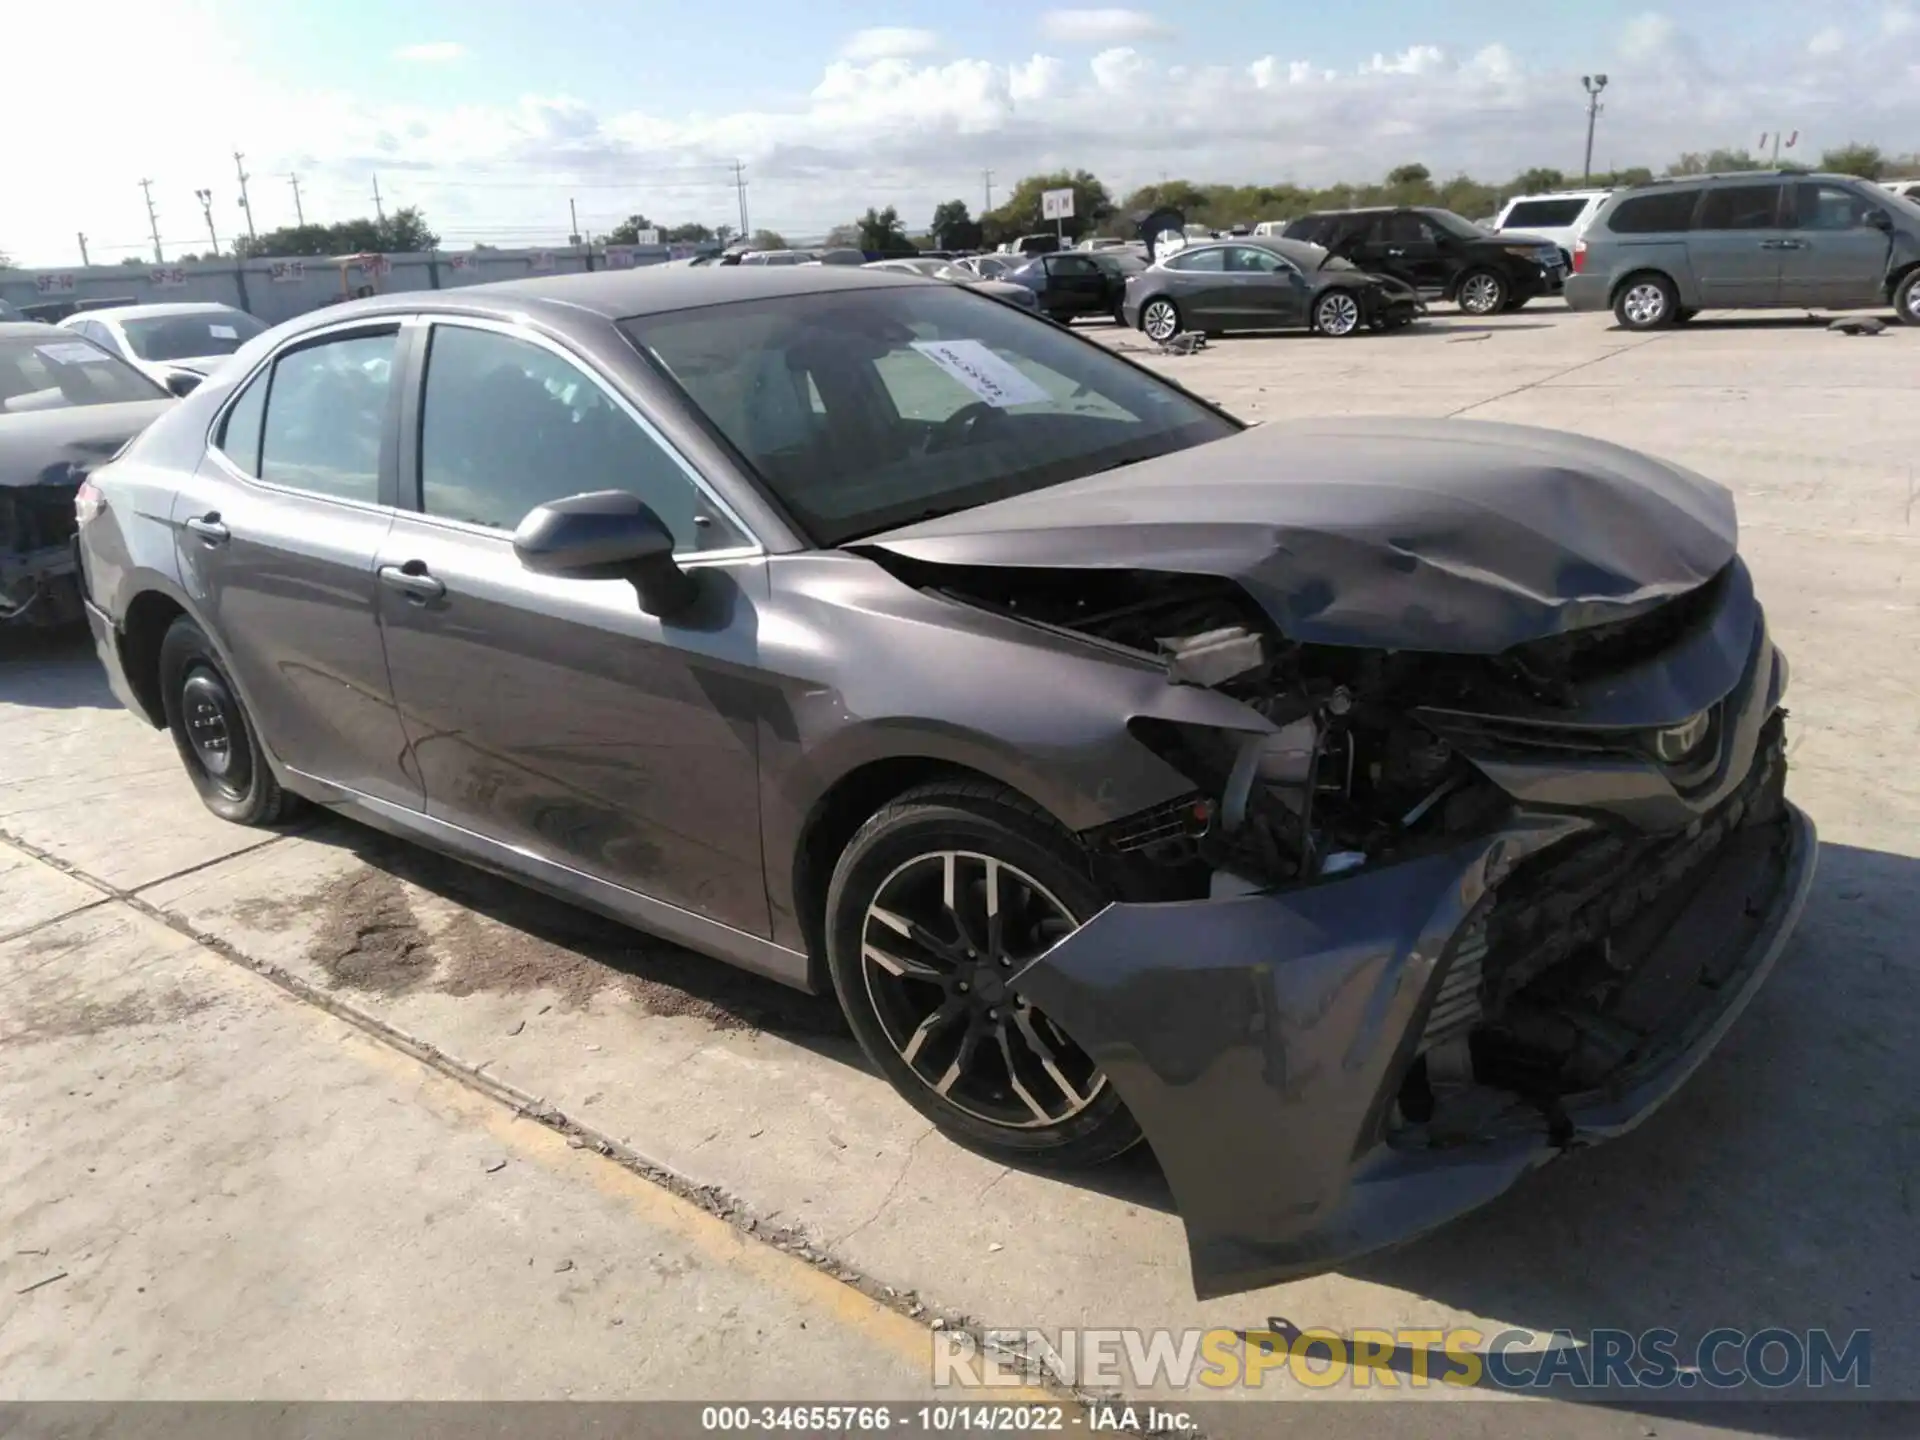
(1336, 313)
(213, 732)
(1160, 321)
(1906, 297)
(936, 905)
(1482, 292)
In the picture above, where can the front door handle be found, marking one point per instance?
(413, 581)
(209, 528)
(1396, 254)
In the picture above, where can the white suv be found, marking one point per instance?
(1559, 217)
(1909, 189)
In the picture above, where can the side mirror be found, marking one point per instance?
(606, 535)
(1880, 220)
(182, 384)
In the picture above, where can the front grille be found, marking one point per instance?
(36, 517)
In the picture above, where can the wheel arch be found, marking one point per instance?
(1641, 272)
(150, 614)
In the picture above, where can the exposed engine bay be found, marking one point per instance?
(1373, 760)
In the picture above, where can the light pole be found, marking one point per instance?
(1594, 85)
(205, 198)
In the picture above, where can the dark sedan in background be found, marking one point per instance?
(1440, 254)
(1070, 284)
(66, 406)
(1360, 813)
(1256, 283)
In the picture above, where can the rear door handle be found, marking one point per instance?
(413, 581)
(209, 528)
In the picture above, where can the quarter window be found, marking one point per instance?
(326, 412)
(1552, 213)
(240, 432)
(1741, 207)
(507, 425)
(1829, 207)
(1252, 258)
(1207, 260)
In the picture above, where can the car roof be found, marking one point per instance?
(1560, 195)
(28, 330)
(1660, 182)
(145, 312)
(620, 294)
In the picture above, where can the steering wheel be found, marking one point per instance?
(957, 429)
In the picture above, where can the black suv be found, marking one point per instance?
(1439, 254)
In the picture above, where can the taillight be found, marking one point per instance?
(88, 502)
(1579, 256)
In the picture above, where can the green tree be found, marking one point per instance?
(690, 234)
(768, 240)
(953, 226)
(1020, 215)
(627, 232)
(1410, 175)
(1541, 177)
(405, 231)
(1853, 158)
(1632, 175)
(844, 237)
(882, 233)
(1182, 195)
(1714, 162)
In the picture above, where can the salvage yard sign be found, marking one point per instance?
(287, 272)
(167, 275)
(1056, 204)
(61, 284)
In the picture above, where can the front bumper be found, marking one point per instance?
(1260, 1041)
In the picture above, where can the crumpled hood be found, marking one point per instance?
(1456, 536)
(59, 447)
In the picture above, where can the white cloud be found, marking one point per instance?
(1102, 27)
(1830, 41)
(1647, 37)
(901, 130)
(1898, 20)
(432, 52)
(888, 41)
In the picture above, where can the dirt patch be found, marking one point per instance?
(271, 913)
(60, 1021)
(369, 937)
(488, 956)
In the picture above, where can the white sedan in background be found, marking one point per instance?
(177, 345)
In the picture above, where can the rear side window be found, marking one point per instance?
(1654, 214)
(1211, 259)
(1527, 213)
(1314, 227)
(240, 433)
(1740, 207)
(326, 414)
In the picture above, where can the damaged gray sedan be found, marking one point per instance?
(1362, 813)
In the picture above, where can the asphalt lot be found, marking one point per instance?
(1779, 1187)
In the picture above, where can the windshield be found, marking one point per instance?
(182, 337)
(1456, 225)
(860, 410)
(64, 371)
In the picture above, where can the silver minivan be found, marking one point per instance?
(1658, 254)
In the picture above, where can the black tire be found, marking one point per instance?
(1518, 302)
(1148, 321)
(1482, 292)
(1906, 297)
(903, 846)
(1646, 301)
(213, 732)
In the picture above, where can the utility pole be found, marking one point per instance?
(573, 222)
(740, 186)
(986, 177)
(245, 204)
(83, 249)
(299, 215)
(153, 221)
(205, 198)
(1594, 85)
(379, 209)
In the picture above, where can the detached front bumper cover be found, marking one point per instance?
(1259, 1040)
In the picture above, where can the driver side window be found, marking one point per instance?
(507, 425)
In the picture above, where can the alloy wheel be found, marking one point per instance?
(1481, 295)
(1645, 303)
(1338, 314)
(1161, 322)
(941, 947)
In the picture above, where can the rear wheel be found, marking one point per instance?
(1482, 292)
(213, 732)
(938, 902)
(1646, 302)
(1160, 320)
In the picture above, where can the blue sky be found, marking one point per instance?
(492, 114)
